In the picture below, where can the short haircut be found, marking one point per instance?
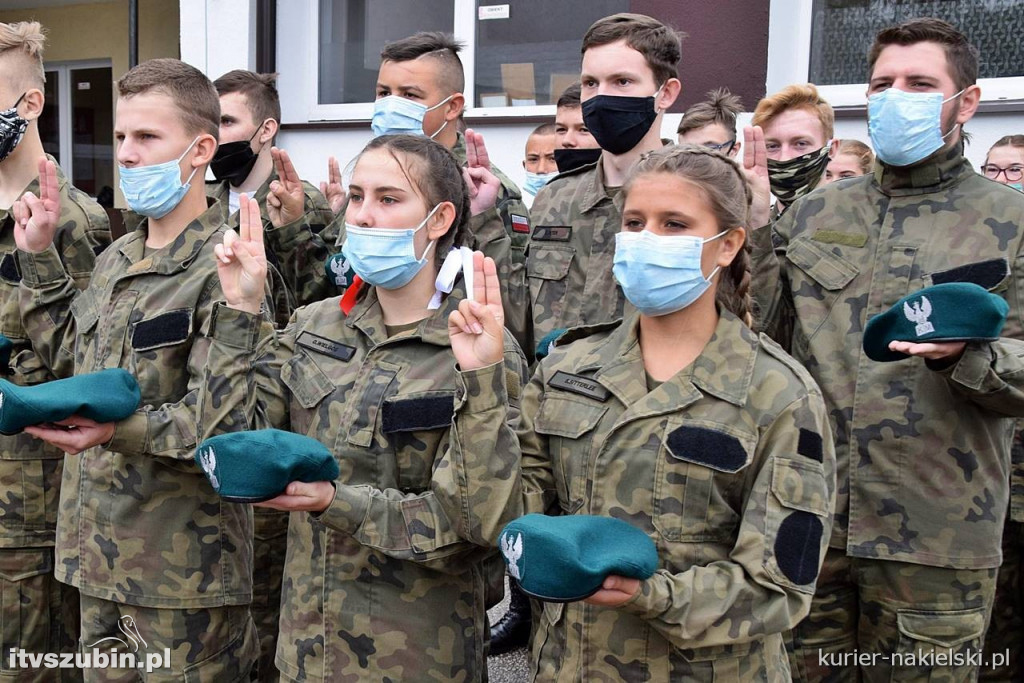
(803, 96)
(961, 56)
(197, 100)
(436, 45)
(865, 157)
(570, 97)
(720, 107)
(544, 129)
(660, 45)
(259, 89)
(25, 37)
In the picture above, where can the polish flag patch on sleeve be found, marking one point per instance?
(520, 224)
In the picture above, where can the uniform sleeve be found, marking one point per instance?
(46, 296)
(302, 253)
(473, 492)
(170, 430)
(84, 233)
(991, 375)
(769, 283)
(766, 584)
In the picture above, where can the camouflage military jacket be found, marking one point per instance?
(30, 469)
(139, 523)
(923, 454)
(294, 288)
(571, 250)
(728, 467)
(388, 582)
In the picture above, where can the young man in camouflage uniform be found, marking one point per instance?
(142, 534)
(250, 116)
(923, 445)
(30, 471)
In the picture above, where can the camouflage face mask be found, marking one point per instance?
(12, 129)
(794, 178)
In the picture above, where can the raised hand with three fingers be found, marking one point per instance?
(755, 168)
(332, 190)
(36, 218)
(483, 184)
(242, 259)
(477, 329)
(286, 201)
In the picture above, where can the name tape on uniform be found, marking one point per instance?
(552, 233)
(342, 352)
(579, 385)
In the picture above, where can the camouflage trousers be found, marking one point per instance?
(270, 543)
(38, 614)
(1006, 632)
(877, 620)
(213, 645)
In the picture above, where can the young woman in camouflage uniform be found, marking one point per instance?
(386, 567)
(685, 423)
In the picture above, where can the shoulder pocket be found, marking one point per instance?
(794, 527)
(830, 270)
(307, 382)
(549, 262)
(568, 417)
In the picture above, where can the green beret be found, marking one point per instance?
(567, 558)
(251, 467)
(954, 311)
(104, 396)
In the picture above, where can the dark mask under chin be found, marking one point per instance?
(233, 162)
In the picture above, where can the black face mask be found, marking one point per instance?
(233, 161)
(571, 158)
(619, 123)
(12, 129)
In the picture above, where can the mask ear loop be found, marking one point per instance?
(187, 149)
(443, 125)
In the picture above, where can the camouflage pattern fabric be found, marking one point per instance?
(572, 246)
(727, 466)
(388, 583)
(923, 449)
(291, 287)
(139, 523)
(215, 645)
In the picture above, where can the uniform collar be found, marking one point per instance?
(942, 169)
(180, 253)
(367, 317)
(220, 189)
(723, 369)
(33, 187)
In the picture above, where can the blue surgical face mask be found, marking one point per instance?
(385, 257)
(535, 181)
(1017, 186)
(906, 127)
(153, 191)
(660, 274)
(394, 115)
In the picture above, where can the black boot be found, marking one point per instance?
(513, 630)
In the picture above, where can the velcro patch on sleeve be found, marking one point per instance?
(809, 445)
(9, 268)
(520, 223)
(579, 385)
(797, 546)
(328, 347)
(168, 328)
(985, 274)
(708, 447)
(414, 414)
(552, 233)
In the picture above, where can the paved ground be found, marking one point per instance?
(511, 667)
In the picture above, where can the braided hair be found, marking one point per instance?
(729, 193)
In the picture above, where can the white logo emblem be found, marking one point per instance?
(1, 399)
(513, 550)
(127, 626)
(209, 462)
(919, 314)
(338, 267)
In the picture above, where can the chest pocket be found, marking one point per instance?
(568, 423)
(698, 480)
(548, 271)
(417, 427)
(161, 347)
(829, 274)
(308, 386)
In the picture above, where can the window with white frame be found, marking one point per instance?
(518, 57)
(826, 42)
